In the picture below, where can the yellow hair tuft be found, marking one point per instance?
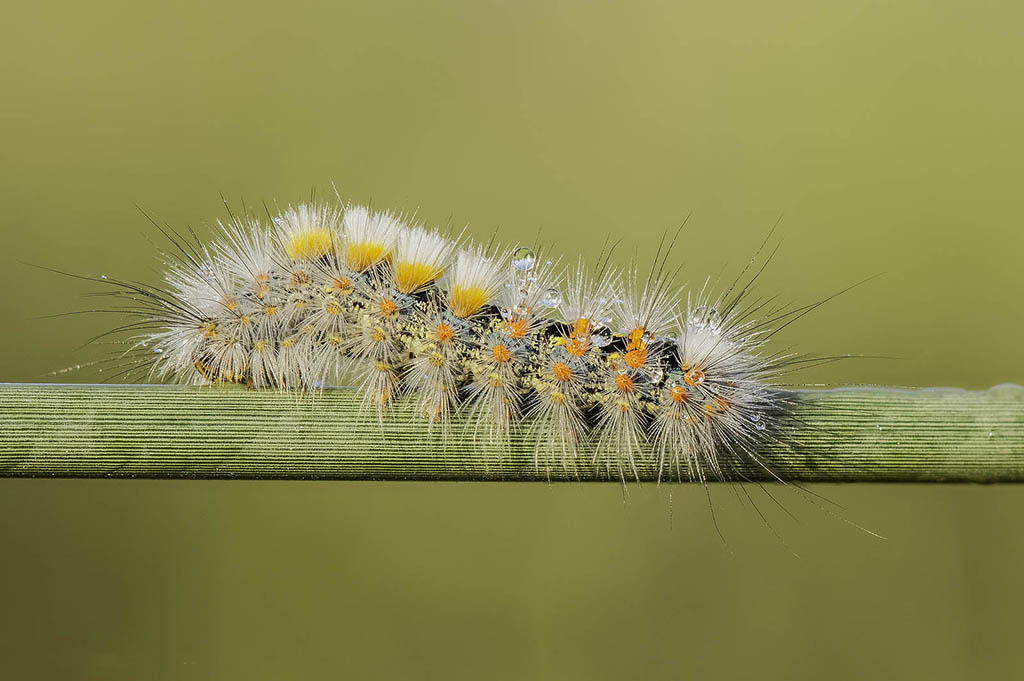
(468, 300)
(365, 254)
(310, 244)
(412, 276)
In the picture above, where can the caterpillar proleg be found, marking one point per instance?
(605, 369)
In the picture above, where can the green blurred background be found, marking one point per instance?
(887, 135)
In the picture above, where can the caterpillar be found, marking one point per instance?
(604, 368)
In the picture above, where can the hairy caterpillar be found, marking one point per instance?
(605, 369)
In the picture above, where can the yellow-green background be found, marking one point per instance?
(889, 137)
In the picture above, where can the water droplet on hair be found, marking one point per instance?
(551, 298)
(103, 276)
(760, 425)
(523, 259)
(755, 418)
(158, 351)
(600, 341)
(706, 316)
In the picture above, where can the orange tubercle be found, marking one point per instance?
(562, 371)
(577, 347)
(636, 358)
(342, 284)
(515, 327)
(578, 341)
(388, 307)
(444, 333)
(624, 383)
(635, 339)
(694, 377)
(501, 353)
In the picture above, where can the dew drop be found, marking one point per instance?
(599, 341)
(158, 351)
(551, 298)
(755, 418)
(705, 315)
(523, 259)
(103, 276)
(759, 425)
